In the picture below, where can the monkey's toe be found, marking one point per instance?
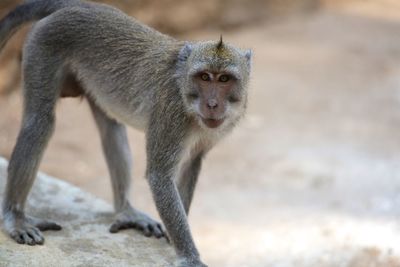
(30, 236)
(44, 225)
(139, 221)
(17, 237)
(148, 229)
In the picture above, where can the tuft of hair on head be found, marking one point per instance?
(220, 44)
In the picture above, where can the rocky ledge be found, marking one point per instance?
(84, 240)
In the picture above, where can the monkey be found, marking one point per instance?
(185, 95)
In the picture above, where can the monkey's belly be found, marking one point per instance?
(134, 118)
(132, 112)
(134, 115)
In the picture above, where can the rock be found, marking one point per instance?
(84, 239)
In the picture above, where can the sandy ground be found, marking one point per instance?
(311, 176)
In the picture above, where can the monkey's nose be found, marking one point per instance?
(212, 103)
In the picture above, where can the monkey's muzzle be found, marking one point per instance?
(212, 123)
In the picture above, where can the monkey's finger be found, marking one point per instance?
(147, 231)
(143, 227)
(140, 226)
(120, 225)
(115, 227)
(45, 225)
(160, 227)
(16, 235)
(167, 238)
(157, 231)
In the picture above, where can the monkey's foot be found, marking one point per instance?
(26, 229)
(132, 218)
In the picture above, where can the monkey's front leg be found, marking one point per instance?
(163, 155)
(173, 214)
(116, 150)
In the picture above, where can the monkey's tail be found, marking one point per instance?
(31, 10)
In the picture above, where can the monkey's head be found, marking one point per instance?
(213, 77)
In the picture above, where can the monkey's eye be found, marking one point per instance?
(233, 99)
(205, 77)
(224, 78)
(193, 95)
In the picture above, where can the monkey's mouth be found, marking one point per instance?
(212, 123)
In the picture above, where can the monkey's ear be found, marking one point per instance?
(185, 52)
(248, 54)
(183, 56)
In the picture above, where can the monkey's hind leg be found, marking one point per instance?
(118, 157)
(41, 82)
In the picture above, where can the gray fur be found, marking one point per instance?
(188, 180)
(131, 74)
(31, 10)
(117, 153)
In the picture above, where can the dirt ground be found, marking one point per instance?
(311, 176)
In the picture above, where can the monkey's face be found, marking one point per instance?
(214, 96)
(213, 78)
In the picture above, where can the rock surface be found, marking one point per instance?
(84, 240)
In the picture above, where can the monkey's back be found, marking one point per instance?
(106, 51)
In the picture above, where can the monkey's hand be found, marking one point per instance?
(183, 262)
(26, 229)
(132, 218)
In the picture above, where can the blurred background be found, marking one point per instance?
(311, 177)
